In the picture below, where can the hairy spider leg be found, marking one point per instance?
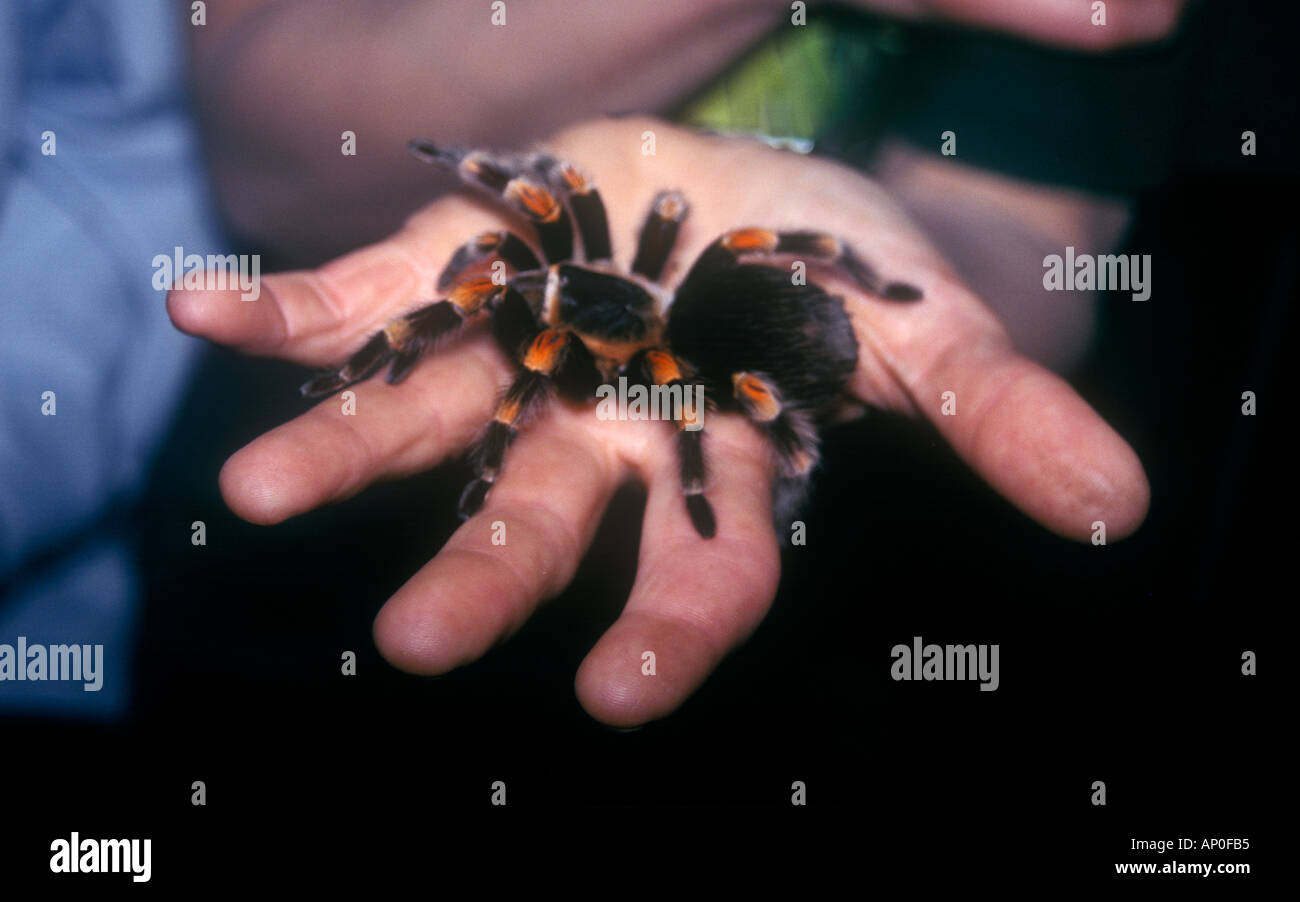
(502, 245)
(790, 430)
(514, 324)
(554, 360)
(503, 178)
(584, 201)
(728, 249)
(659, 367)
(405, 339)
(792, 434)
(659, 233)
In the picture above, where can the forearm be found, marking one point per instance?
(278, 85)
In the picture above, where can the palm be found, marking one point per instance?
(1022, 428)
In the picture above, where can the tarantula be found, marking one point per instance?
(755, 339)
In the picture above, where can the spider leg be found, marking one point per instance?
(554, 360)
(514, 324)
(659, 367)
(791, 430)
(659, 233)
(584, 202)
(503, 245)
(733, 245)
(507, 180)
(791, 433)
(405, 339)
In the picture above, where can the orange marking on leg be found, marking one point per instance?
(544, 353)
(469, 296)
(535, 200)
(748, 241)
(575, 180)
(802, 462)
(398, 332)
(507, 412)
(663, 366)
(670, 206)
(828, 246)
(488, 241)
(756, 396)
(472, 165)
(690, 417)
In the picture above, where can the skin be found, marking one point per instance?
(277, 82)
(391, 69)
(1063, 23)
(996, 231)
(1018, 425)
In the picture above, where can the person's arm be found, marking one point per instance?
(279, 82)
(1073, 24)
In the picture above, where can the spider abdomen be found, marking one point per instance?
(751, 318)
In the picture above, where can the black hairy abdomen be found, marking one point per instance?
(752, 318)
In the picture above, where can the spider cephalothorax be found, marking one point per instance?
(756, 340)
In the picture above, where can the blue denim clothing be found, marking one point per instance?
(79, 316)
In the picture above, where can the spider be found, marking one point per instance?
(779, 350)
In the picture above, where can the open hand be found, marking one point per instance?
(1021, 427)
